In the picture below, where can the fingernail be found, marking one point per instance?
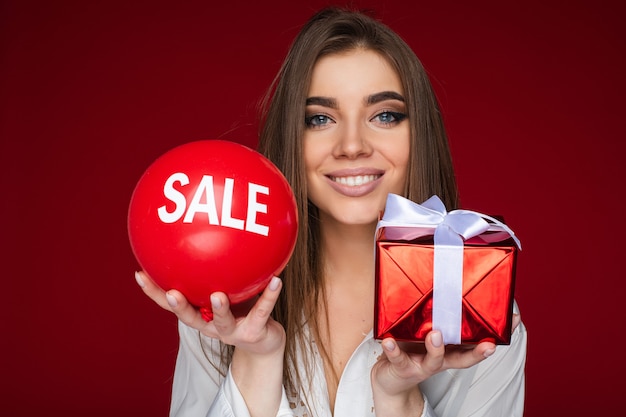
(436, 339)
(389, 345)
(171, 300)
(489, 352)
(274, 283)
(139, 280)
(216, 303)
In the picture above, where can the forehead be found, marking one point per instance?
(359, 71)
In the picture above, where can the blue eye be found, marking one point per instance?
(317, 120)
(389, 117)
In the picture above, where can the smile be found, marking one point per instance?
(356, 180)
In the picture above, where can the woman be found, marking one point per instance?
(365, 123)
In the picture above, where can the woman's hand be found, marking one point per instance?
(396, 374)
(259, 341)
(172, 301)
(256, 332)
(257, 365)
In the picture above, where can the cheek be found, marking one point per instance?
(309, 160)
(314, 153)
(398, 154)
(399, 158)
(312, 159)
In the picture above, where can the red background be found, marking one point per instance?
(92, 92)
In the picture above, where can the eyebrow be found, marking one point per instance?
(384, 95)
(371, 99)
(322, 101)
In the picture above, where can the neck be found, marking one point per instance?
(346, 311)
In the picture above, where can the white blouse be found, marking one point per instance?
(492, 388)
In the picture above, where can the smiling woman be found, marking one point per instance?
(356, 145)
(351, 119)
(355, 155)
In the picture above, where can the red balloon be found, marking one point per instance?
(212, 215)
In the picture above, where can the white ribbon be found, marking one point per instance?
(411, 220)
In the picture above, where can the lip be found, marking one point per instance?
(355, 190)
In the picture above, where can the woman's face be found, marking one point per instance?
(356, 143)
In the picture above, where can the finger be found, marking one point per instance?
(464, 358)
(517, 318)
(173, 301)
(435, 352)
(152, 290)
(515, 322)
(262, 309)
(185, 311)
(481, 352)
(396, 357)
(223, 320)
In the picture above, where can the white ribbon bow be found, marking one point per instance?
(450, 231)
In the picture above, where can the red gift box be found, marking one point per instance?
(405, 278)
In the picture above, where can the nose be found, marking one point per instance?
(352, 142)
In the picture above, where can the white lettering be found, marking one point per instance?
(205, 188)
(227, 206)
(174, 195)
(255, 207)
(203, 201)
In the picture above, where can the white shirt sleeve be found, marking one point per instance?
(493, 388)
(230, 403)
(199, 389)
(498, 387)
(196, 376)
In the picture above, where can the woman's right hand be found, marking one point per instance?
(255, 332)
(259, 340)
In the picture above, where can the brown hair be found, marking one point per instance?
(330, 31)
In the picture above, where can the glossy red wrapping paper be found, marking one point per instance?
(404, 290)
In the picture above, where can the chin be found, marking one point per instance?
(352, 211)
(357, 217)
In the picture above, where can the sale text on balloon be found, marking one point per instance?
(206, 192)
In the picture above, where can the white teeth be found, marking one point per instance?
(356, 180)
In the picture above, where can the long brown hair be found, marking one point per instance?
(330, 31)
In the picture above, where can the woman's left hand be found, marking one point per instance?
(396, 375)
